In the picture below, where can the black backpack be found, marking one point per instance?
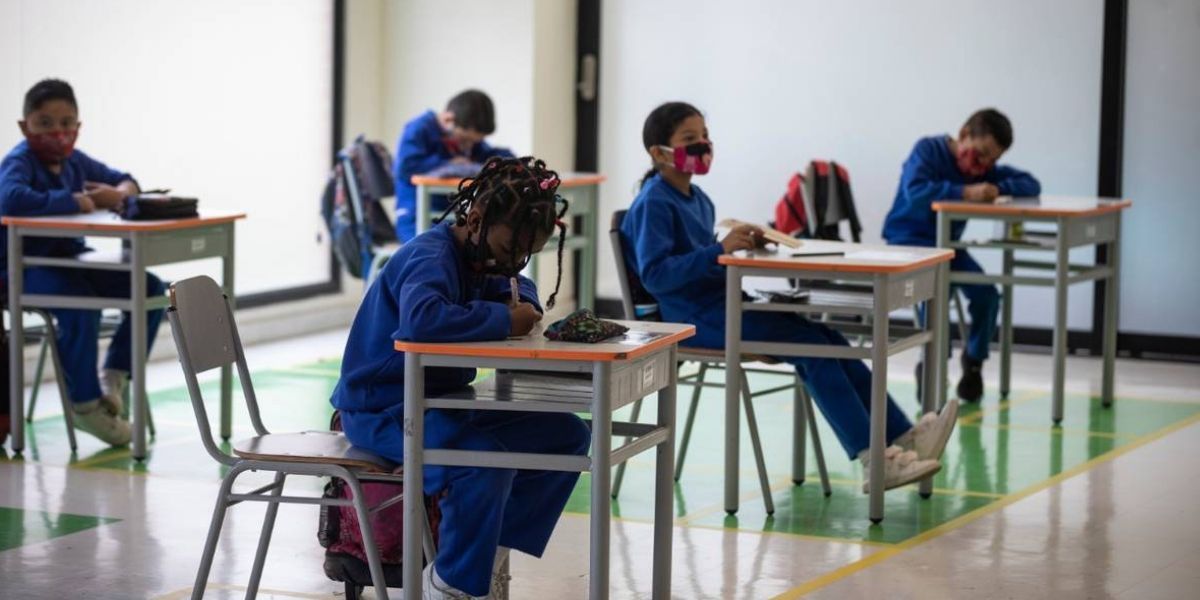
(351, 208)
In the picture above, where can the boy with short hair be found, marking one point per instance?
(45, 175)
(431, 140)
(942, 167)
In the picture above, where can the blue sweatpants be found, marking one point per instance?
(484, 507)
(841, 388)
(983, 304)
(79, 329)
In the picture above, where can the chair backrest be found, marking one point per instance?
(206, 338)
(638, 304)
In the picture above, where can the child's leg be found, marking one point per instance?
(841, 388)
(983, 302)
(114, 284)
(77, 329)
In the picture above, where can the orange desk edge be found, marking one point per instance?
(567, 182)
(45, 222)
(467, 349)
(798, 264)
(987, 208)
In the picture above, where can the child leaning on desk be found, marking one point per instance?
(452, 284)
(669, 228)
(45, 175)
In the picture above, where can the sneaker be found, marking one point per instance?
(901, 467)
(433, 588)
(929, 436)
(94, 419)
(500, 576)
(970, 387)
(113, 386)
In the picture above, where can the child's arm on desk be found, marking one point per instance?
(18, 198)
(499, 289)
(428, 311)
(1012, 181)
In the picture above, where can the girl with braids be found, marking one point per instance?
(669, 241)
(452, 284)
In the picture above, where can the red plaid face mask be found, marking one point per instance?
(969, 163)
(52, 147)
(692, 158)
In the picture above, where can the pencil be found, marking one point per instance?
(808, 254)
(515, 290)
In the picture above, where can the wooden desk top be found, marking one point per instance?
(568, 180)
(642, 338)
(856, 258)
(1038, 206)
(109, 221)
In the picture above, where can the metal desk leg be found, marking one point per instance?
(587, 275)
(227, 370)
(422, 208)
(664, 487)
(930, 401)
(414, 467)
(138, 331)
(1006, 328)
(1061, 274)
(879, 356)
(733, 381)
(601, 472)
(1112, 293)
(942, 325)
(16, 340)
(799, 428)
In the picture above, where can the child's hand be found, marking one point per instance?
(523, 316)
(86, 205)
(105, 196)
(980, 192)
(743, 237)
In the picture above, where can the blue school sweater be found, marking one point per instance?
(676, 250)
(931, 174)
(423, 294)
(28, 188)
(421, 149)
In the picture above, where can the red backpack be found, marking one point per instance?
(790, 217)
(816, 202)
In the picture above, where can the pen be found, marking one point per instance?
(516, 296)
(808, 254)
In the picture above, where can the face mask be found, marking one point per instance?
(969, 163)
(693, 158)
(52, 148)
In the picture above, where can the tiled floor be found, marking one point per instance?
(1104, 506)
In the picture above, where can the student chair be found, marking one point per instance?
(206, 337)
(638, 304)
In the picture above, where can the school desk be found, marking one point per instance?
(151, 243)
(581, 190)
(585, 378)
(1077, 221)
(897, 276)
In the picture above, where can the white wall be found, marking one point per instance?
(226, 100)
(1159, 282)
(782, 82)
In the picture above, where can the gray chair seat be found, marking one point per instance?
(327, 447)
(713, 354)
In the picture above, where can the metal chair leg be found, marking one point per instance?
(689, 421)
(68, 407)
(368, 538)
(799, 443)
(756, 444)
(620, 475)
(214, 532)
(816, 441)
(36, 384)
(963, 332)
(264, 539)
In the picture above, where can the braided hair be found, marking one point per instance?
(521, 193)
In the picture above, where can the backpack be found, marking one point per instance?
(338, 532)
(350, 204)
(816, 203)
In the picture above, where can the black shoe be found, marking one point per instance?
(970, 387)
(920, 373)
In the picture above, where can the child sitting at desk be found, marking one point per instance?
(432, 140)
(452, 284)
(945, 168)
(45, 175)
(670, 227)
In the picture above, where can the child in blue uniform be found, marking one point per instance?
(432, 140)
(674, 251)
(945, 168)
(452, 284)
(45, 175)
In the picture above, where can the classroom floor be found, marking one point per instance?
(1103, 507)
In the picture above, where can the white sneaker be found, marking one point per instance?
(900, 467)
(929, 436)
(500, 576)
(113, 386)
(96, 420)
(433, 588)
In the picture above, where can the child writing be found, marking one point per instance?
(452, 284)
(963, 168)
(45, 175)
(674, 251)
(433, 140)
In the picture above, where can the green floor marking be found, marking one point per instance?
(19, 527)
